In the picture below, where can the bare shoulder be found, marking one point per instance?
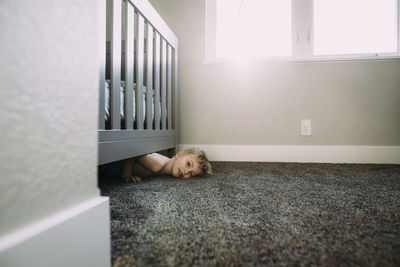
(154, 162)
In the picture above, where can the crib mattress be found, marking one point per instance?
(122, 106)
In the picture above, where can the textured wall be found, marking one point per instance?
(349, 103)
(48, 108)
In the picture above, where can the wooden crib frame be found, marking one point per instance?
(161, 75)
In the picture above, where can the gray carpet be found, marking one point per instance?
(257, 214)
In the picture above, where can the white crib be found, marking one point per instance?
(139, 59)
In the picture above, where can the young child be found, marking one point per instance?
(184, 164)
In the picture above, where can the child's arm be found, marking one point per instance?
(143, 166)
(153, 162)
(133, 171)
(127, 171)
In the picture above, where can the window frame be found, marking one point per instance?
(302, 38)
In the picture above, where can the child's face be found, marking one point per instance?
(186, 166)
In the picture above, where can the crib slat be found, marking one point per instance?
(115, 64)
(139, 72)
(169, 87)
(149, 78)
(102, 61)
(163, 84)
(175, 95)
(157, 110)
(145, 8)
(129, 65)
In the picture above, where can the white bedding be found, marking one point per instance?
(122, 106)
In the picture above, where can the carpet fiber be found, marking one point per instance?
(259, 214)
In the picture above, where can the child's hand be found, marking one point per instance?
(134, 179)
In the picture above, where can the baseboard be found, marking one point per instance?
(317, 154)
(77, 236)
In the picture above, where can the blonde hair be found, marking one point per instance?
(202, 160)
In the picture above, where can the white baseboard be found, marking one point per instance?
(77, 236)
(318, 154)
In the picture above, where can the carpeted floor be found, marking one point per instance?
(249, 214)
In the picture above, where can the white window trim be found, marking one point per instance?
(302, 38)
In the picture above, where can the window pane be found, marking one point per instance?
(355, 26)
(253, 28)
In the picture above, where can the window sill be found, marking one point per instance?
(340, 58)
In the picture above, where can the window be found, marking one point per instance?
(301, 29)
(356, 26)
(248, 28)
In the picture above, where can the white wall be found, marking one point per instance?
(48, 108)
(349, 103)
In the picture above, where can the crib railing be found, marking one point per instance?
(143, 55)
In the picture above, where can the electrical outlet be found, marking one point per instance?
(305, 127)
